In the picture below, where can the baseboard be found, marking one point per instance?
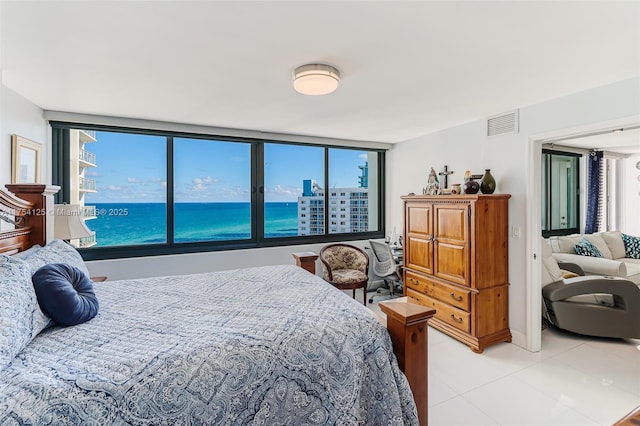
(519, 339)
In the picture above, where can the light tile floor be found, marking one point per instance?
(574, 380)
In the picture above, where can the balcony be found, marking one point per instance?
(87, 136)
(87, 159)
(88, 241)
(89, 212)
(86, 185)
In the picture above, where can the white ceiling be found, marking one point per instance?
(626, 141)
(408, 68)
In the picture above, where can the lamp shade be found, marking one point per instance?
(68, 223)
(316, 79)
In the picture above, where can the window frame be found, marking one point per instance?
(61, 177)
(548, 180)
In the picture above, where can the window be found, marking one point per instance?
(149, 192)
(293, 175)
(560, 193)
(212, 190)
(124, 196)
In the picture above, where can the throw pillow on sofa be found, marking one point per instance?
(585, 248)
(631, 246)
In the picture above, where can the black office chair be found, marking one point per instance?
(385, 268)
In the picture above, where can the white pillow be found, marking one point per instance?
(21, 318)
(57, 251)
(601, 245)
(615, 243)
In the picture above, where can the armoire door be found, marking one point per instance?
(451, 242)
(418, 244)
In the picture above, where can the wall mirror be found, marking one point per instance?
(25, 160)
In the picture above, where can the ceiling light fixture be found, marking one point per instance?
(316, 79)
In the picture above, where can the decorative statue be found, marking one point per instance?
(433, 186)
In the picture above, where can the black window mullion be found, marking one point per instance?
(381, 193)
(170, 193)
(326, 190)
(257, 191)
(61, 164)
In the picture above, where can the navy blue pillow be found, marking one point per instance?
(65, 293)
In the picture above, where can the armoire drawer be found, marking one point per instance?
(418, 283)
(452, 295)
(446, 313)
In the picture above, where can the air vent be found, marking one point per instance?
(503, 123)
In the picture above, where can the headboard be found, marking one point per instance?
(30, 206)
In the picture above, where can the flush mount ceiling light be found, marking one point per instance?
(316, 79)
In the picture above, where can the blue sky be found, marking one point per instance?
(131, 168)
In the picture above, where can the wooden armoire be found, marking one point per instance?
(456, 261)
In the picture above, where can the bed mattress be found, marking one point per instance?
(267, 345)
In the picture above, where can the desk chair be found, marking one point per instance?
(385, 268)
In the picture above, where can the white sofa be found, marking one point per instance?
(610, 245)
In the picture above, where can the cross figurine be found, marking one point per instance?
(446, 174)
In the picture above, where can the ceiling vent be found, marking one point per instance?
(503, 123)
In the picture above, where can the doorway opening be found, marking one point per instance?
(582, 134)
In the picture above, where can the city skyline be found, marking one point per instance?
(132, 168)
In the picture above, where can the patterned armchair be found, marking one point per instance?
(346, 267)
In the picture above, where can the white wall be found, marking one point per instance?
(21, 117)
(630, 203)
(466, 147)
(144, 267)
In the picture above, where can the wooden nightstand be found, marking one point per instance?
(98, 279)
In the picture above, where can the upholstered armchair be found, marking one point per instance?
(590, 305)
(346, 267)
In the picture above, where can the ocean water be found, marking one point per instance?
(145, 223)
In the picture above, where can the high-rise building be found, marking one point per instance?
(80, 162)
(348, 208)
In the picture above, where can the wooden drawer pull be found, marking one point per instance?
(458, 320)
(458, 299)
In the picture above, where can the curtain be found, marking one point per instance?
(595, 181)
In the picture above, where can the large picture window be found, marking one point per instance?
(212, 190)
(124, 197)
(293, 178)
(149, 192)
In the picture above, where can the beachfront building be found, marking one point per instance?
(81, 162)
(348, 208)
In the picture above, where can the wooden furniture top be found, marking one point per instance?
(29, 204)
(631, 419)
(455, 197)
(405, 310)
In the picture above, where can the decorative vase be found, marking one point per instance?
(488, 183)
(471, 187)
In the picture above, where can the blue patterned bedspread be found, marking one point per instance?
(270, 345)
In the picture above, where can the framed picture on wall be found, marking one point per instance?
(25, 160)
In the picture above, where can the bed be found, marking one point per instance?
(266, 345)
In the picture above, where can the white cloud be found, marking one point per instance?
(132, 180)
(203, 184)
